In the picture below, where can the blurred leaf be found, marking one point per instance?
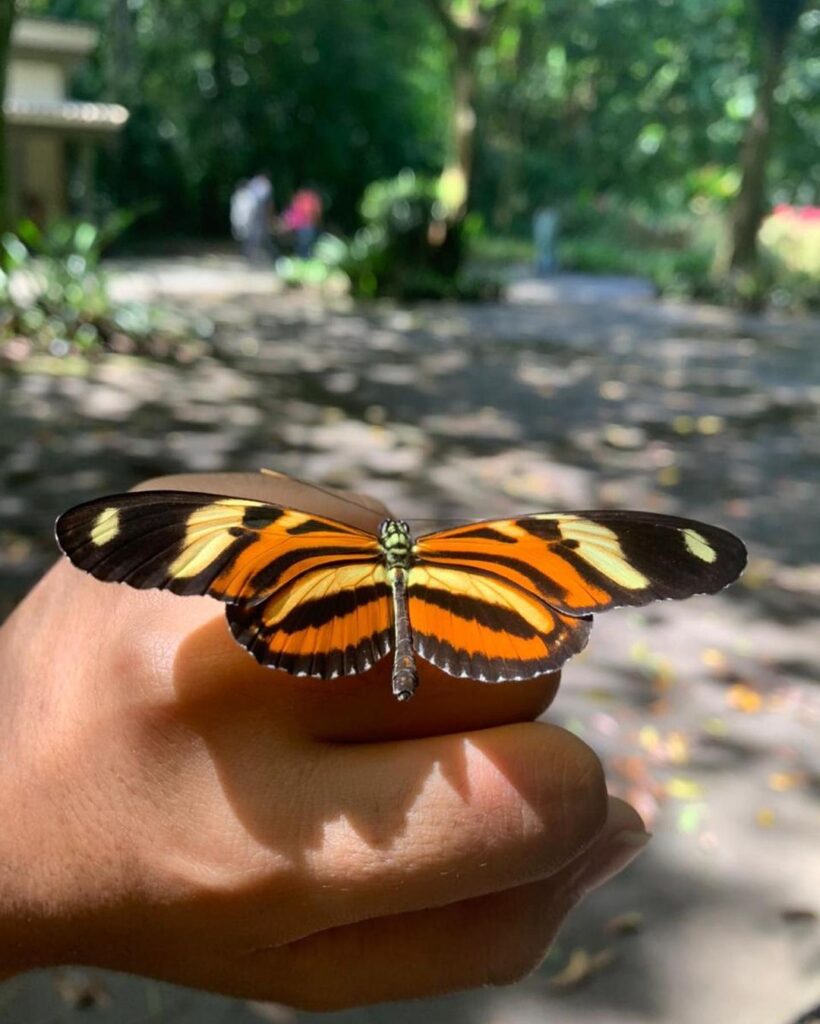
(745, 698)
(85, 237)
(765, 817)
(691, 818)
(781, 782)
(580, 967)
(628, 923)
(799, 915)
(683, 789)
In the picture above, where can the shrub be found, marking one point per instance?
(54, 295)
(408, 246)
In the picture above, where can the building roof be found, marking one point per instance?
(65, 114)
(56, 40)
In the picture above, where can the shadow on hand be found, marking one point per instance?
(270, 735)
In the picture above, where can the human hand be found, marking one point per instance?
(172, 809)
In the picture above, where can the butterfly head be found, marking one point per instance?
(396, 542)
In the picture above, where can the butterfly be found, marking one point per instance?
(495, 601)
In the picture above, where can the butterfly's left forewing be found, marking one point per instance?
(305, 593)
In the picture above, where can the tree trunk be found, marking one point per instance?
(468, 27)
(750, 206)
(460, 168)
(215, 185)
(7, 12)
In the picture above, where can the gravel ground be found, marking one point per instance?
(575, 393)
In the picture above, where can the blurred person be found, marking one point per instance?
(303, 217)
(241, 212)
(172, 809)
(544, 229)
(252, 216)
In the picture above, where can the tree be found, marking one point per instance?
(776, 20)
(469, 26)
(7, 12)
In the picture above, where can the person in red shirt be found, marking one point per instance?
(303, 218)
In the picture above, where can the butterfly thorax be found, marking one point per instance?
(396, 543)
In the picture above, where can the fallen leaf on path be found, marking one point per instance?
(743, 697)
(580, 967)
(780, 782)
(668, 476)
(713, 658)
(798, 915)
(710, 424)
(765, 817)
(628, 923)
(691, 818)
(683, 789)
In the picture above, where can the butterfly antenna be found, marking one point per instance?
(324, 490)
(458, 520)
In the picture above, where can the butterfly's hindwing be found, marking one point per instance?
(473, 625)
(584, 562)
(332, 621)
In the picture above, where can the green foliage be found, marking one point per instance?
(7, 15)
(610, 96)
(500, 250)
(323, 270)
(637, 102)
(790, 241)
(313, 91)
(677, 254)
(682, 255)
(628, 99)
(54, 296)
(779, 17)
(406, 247)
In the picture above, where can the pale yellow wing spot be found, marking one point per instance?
(510, 529)
(106, 526)
(699, 546)
(600, 547)
(199, 555)
(207, 535)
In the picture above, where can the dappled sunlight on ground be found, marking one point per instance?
(705, 713)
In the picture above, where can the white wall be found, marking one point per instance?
(35, 80)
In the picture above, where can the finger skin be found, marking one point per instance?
(378, 829)
(492, 940)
